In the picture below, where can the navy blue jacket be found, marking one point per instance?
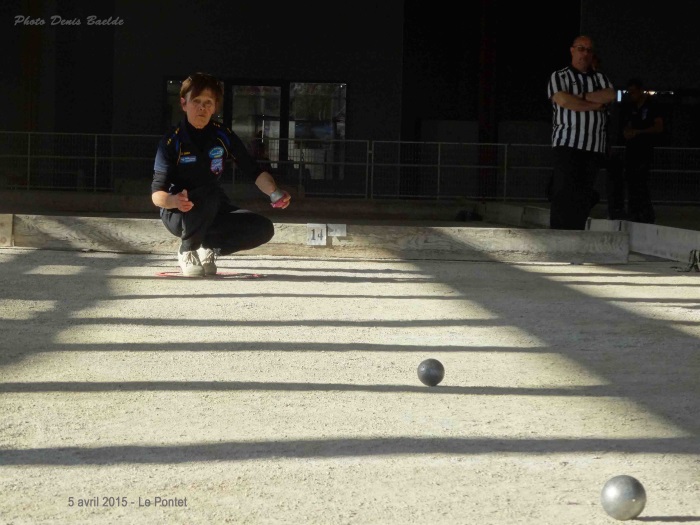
(194, 160)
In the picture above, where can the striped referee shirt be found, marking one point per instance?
(585, 130)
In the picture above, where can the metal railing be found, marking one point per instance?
(349, 168)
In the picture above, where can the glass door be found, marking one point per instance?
(317, 111)
(255, 118)
(255, 111)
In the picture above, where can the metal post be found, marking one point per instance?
(369, 172)
(94, 171)
(301, 168)
(29, 159)
(505, 173)
(398, 177)
(438, 170)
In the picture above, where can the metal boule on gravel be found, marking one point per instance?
(623, 497)
(431, 372)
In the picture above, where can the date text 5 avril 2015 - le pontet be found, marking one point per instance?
(123, 501)
(58, 20)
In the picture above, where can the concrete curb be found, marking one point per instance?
(648, 239)
(661, 241)
(134, 235)
(651, 239)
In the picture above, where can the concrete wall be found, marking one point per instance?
(359, 43)
(110, 78)
(509, 132)
(449, 131)
(404, 63)
(658, 43)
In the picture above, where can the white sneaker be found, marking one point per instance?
(207, 258)
(190, 264)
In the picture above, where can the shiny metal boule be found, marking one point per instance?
(623, 497)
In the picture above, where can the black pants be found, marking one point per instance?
(573, 194)
(615, 186)
(637, 169)
(216, 224)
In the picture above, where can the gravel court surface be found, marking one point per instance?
(285, 390)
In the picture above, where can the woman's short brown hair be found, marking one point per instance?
(198, 82)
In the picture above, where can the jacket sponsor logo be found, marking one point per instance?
(216, 152)
(189, 159)
(217, 166)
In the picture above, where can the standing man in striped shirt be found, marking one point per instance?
(579, 96)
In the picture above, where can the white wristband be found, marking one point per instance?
(276, 195)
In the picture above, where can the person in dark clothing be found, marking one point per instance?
(612, 161)
(186, 183)
(643, 127)
(579, 95)
(615, 185)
